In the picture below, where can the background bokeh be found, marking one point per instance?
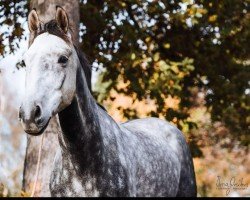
(184, 61)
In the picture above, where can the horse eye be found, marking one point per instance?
(23, 63)
(63, 60)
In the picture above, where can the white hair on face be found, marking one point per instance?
(52, 85)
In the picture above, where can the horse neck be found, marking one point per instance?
(81, 136)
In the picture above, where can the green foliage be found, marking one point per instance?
(169, 47)
(161, 48)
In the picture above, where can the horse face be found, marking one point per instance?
(51, 65)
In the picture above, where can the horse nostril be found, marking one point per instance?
(38, 112)
(20, 114)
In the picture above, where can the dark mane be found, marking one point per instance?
(53, 28)
(87, 68)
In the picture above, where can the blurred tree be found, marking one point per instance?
(160, 49)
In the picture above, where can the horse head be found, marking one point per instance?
(51, 66)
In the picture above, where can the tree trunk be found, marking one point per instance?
(46, 11)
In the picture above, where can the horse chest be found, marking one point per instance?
(66, 183)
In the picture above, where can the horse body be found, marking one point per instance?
(143, 157)
(97, 156)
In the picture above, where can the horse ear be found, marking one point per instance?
(33, 20)
(62, 19)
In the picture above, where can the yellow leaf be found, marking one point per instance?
(166, 45)
(123, 4)
(132, 56)
(155, 76)
(156, 56)
(148, 39)
(212, 18)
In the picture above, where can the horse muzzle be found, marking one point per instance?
(32, 120)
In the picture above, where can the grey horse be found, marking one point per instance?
(97, 156)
